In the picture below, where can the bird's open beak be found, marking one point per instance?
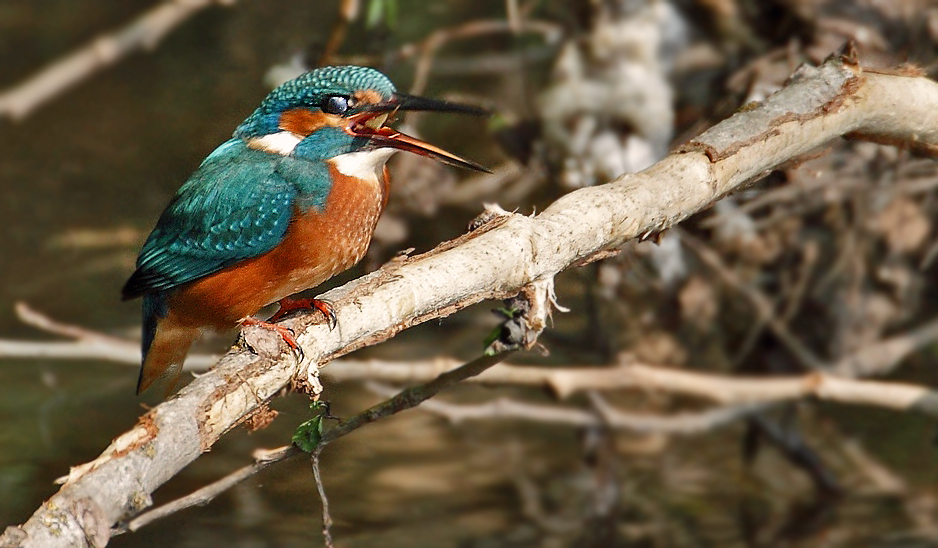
(370, 124)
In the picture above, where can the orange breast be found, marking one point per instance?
(317, 245)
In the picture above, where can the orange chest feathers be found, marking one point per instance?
(318, 245)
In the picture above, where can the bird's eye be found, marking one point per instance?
(335, 104)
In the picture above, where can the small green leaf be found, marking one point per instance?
(320, 407)
(308, 434)
(510, 313)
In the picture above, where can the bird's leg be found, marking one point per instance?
(291, 305)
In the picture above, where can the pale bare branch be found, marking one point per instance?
(605, 415)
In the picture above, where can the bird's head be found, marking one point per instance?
(332, 111)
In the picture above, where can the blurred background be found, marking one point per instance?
(841, 245)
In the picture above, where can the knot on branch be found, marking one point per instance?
(93, 522)
(492, 215)
(526, 316)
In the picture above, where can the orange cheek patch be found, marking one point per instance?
(367, 96)
(304, 122)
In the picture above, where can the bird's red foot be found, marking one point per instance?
(287, 334)
(291, 305)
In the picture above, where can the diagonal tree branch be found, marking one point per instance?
(508, 253)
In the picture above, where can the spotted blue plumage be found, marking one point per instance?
(237, 205)
(309, 91)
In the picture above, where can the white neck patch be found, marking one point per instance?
(278, 143)
(367, 166)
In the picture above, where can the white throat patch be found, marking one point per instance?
(367, 166)
(279, 143)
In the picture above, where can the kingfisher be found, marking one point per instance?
(288, 202)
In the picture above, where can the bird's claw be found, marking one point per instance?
(328, 311)
(297, 351)
(291, 305)
(291, 341)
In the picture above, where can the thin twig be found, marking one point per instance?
(412, 397)
(689, 423)
(88, 344)
(789, 442)
(144, 33)
(348, 11)
(499, 408)
(512, 15)
(883, 356)
(201, 497)
(404, 400)
(326, 517)
(760, 303)
(803, 274)
(435, 41)
(36, 319)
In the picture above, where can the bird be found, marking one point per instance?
(289, 201)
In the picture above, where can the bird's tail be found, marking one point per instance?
(165, 343)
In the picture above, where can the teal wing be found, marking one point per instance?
(236, 206)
